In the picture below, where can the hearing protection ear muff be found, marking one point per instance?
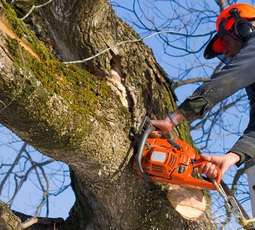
(242, 27)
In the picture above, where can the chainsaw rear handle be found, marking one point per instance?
(202, 162)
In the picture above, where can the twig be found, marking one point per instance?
(221, 4)
(177, 84)
(24, 178)
(35, 7)
(12, 166)
(131, 41)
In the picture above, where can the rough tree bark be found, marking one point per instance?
(83, 115)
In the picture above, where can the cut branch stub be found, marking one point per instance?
(8, 221)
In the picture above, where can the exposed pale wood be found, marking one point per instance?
(190, 203)
(7, 31)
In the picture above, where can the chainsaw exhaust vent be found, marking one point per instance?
(157, 168)
(172, 161)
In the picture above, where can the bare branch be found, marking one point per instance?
(29, 222)
(24, 178)
(45, 191)
(221, 4)
(12, 167)
(34, 7)
(177, 84)
(133, 41)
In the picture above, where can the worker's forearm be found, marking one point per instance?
(193, 107)
(238, 74)
(245, 145)
(232, 158)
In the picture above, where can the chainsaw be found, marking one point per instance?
(169, 160)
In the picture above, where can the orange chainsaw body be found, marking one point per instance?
(174, 163)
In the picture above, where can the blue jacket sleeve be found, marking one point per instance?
(238, 74)
(245, 146)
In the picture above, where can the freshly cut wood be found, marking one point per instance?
(190, 203)
(6, 30)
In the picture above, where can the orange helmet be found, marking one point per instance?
(226, 21)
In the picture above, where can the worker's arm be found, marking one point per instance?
(238, 74)
(245, 146)
(243, 149)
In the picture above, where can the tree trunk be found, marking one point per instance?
(83, 115)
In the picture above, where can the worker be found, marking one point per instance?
(234, 41)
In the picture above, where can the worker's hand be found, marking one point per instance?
(222, 162)
(165, 125)
(168, 123)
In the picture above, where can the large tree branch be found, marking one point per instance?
(12, 220)
(79, 118)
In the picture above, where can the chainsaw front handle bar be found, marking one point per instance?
(144, 137)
